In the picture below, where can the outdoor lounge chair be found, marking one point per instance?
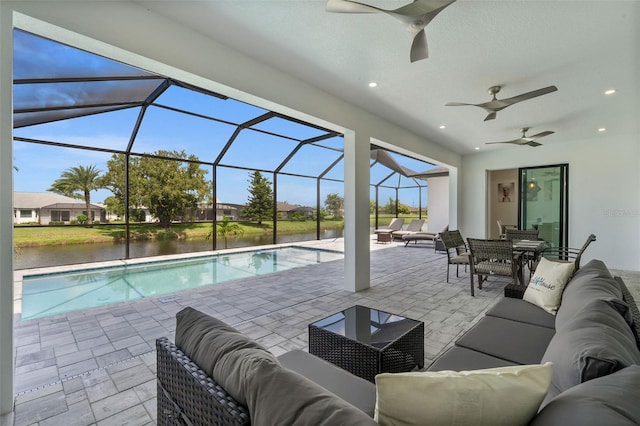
(456, 248)
(395, 225)
(423, 236)
(414, 226)
(492, 257)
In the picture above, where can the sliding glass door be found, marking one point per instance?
(544, 204)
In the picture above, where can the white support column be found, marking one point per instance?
(454, 197)
(6, 211)
(356, 207)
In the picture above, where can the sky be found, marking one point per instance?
(38, 166)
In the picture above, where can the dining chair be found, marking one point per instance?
(521, 234)
(456, 248)
(566, 254)
(502, 229)
(492, 258)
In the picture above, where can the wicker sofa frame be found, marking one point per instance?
(184, 388)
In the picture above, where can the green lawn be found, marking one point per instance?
(55, 235)
(384, 219)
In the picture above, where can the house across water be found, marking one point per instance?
(45, 207)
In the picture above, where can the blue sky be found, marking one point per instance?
(39, 165)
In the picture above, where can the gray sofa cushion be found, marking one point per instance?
(609, 400)
(353, 389)
(279, 396)
(458, 358)
(594, 343)
(520, 310)
(513, 341)
(592, 281)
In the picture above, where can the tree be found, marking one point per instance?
(335, 204)
(390, 207)
(78, 182)
(227, 228)
(260, 203)
(165, 186)
(403, 209)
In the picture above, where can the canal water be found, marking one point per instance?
(38, 257)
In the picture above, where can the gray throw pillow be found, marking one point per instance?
(594, 343)
(609, 400)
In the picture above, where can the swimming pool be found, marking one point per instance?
(50, 294)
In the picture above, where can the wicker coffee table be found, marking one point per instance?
(366, 341)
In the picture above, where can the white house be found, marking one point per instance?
(45, 207)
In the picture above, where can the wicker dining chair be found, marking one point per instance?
(492, 257)
(565, 254)
(521, 234)
(456, 248)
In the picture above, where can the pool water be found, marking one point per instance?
(44, 295)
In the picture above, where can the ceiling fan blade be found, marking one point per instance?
(458, 104)
(492, 115)
(419, 48)
(423, 7)
(533, 143)
(541, 134)
(515, 142)
(346, 6)
(529, 95)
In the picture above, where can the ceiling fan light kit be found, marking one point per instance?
(415, 16)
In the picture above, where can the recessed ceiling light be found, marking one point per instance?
(477, 148)
(602, 129)
(443, 126)
(373, 84)
(610, 92)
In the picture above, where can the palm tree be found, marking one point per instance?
(226, 228)
(78, 182)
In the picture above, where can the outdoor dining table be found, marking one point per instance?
(528, 251)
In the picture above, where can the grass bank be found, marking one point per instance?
(57, 235)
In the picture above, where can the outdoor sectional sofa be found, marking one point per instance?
(592, 343)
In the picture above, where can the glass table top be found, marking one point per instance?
(366, 325)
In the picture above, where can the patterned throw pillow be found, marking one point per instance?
(546, 285)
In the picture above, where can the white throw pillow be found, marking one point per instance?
(546, 285)
(493, 396)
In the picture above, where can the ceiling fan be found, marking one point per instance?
(414, 15)
(495, 105)
(527, 140)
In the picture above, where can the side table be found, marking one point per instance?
(366, 341)
(384, 237)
